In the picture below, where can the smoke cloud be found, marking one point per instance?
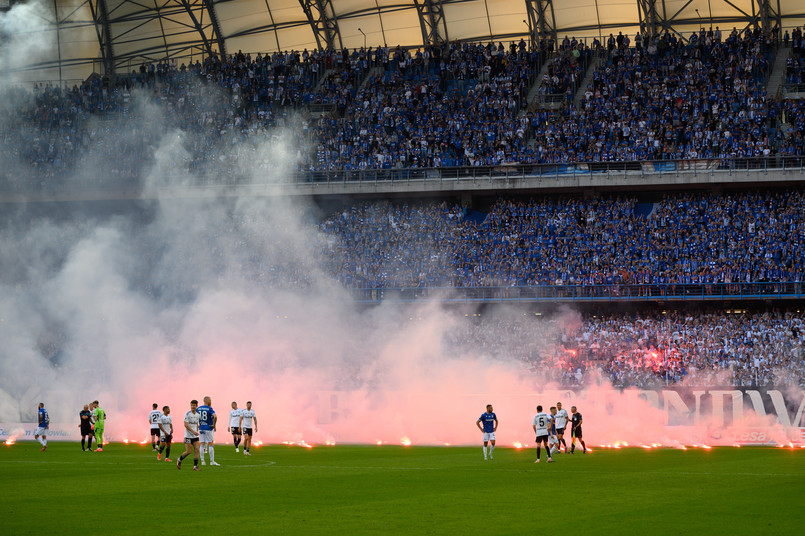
(26, 37)
(193, 293)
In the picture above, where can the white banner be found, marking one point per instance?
(22, 431)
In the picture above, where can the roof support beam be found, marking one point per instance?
(100, 14)
(431, 20)
(542, 18)
(216, 27)
(321, 16)
(652, 21)
(769, 16)
(191, 7)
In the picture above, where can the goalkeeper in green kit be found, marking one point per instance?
(100, 418)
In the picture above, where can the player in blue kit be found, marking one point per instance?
(490, 425)
(553, 442)
(207, 420)
(42, 427)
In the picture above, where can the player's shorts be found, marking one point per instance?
(489, 436)
(191, 440)
(247, 431)
(155, 431)
(40, 431)
(205, 436)
(577, 432)
(541, 438)
(166, 438)
(235, 430)
(561, 430)
(86, 429)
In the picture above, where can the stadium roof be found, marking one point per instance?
(68, 39)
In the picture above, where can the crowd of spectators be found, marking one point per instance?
(448, 105)
(565, 72)
(687, 238)
(644, 349)
(668, 99)
(444, 105)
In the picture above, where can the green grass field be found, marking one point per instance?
(399, 490)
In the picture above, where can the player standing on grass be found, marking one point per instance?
(153, 418)
(191, 419)
(542, 425)
(43, 421)
(85, 424)
(234, 425)
(91, 425)
(561, 424)
(552, 441)
(166, 433)
(206, 427)
(246, 419)
(100, 420)
(575, 430)
(490, 425)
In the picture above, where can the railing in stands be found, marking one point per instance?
(117, 179)
(588, 293)
(571, 169)
(791, 89)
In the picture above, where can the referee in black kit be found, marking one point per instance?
(86, 427)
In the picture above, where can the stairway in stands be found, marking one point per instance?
(532, 97)
(776, 80)
(588, 77)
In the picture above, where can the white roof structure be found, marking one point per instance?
(69, 39)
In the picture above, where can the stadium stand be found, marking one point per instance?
(685, 239)
(646, 349)
(457, 104)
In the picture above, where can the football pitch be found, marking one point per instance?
(402, 490)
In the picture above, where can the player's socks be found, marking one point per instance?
(44, 442)
(572, 448)
(195, 463)
(82, 443)
(538, 453)
(484, 450)
(211, 450)
(491, 450)
(564, 444)
(168, 453)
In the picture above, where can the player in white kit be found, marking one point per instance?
(191, 419)
(542, 427)
(248, 425)
(165, 433)
(153, 419)
(561, 423)
(234, 425)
